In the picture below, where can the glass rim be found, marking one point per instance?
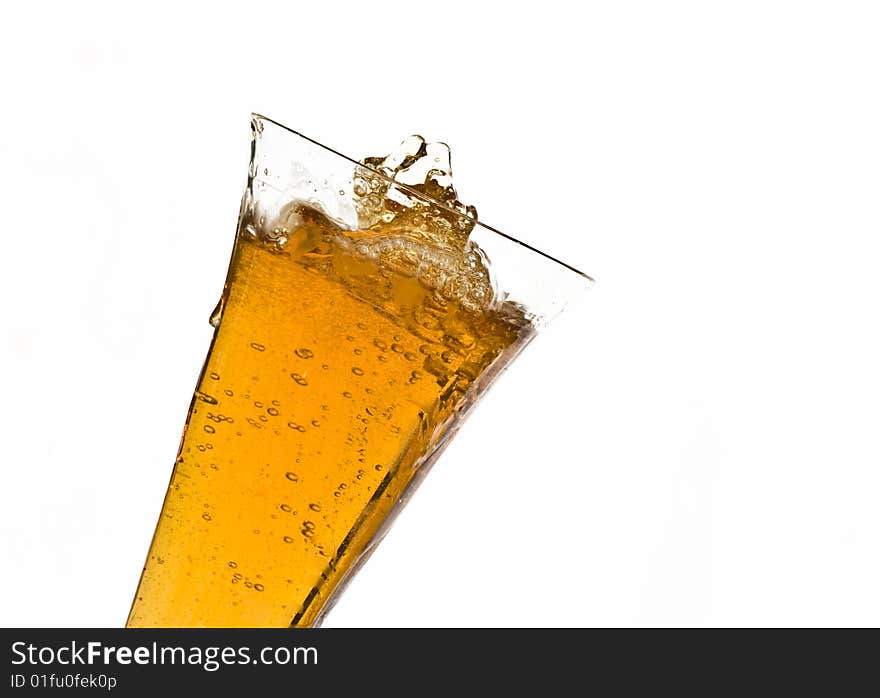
(256, 116)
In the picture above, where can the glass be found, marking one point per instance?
(362, 318)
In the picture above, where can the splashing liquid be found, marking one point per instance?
(340, 364)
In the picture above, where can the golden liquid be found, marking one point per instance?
(330, 381)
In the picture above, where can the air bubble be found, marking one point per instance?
(208, 428)
(297, 427)
(204, 397)
(293, 477)
(258, 587)
(315, 507)
(214, 376)
(357, 371)
(206, 516)
(272, 411)
(258, 347)
(347, 394)
(300, 380)
(287, 539)
(304, 353)
(284, 507)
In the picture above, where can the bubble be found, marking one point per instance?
(259, 587)
(272, 411)
(380, 344)
(308, 524)
(378, 466)
(315, 507)
(258, 347)
(233, 564)
(204, 397)
(299, 379)
(315, 423)
(206, 516)
(284, 507)
(397, 348)
(357, 371)
(347, 394)
(287, 539)
(304, 353)
(409, 356)
(293, 477)
(349, 338)
(358, 352)
(297, 427)
(382, 358)
(227, 393)
(208, 428)
(324, 366)
(214, 376)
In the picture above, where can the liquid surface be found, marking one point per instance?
(337, 368)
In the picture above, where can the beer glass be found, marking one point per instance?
(365, 311)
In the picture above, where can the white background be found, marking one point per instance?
(695, 444)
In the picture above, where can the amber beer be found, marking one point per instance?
(340, 360)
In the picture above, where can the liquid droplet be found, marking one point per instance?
(217, 314)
